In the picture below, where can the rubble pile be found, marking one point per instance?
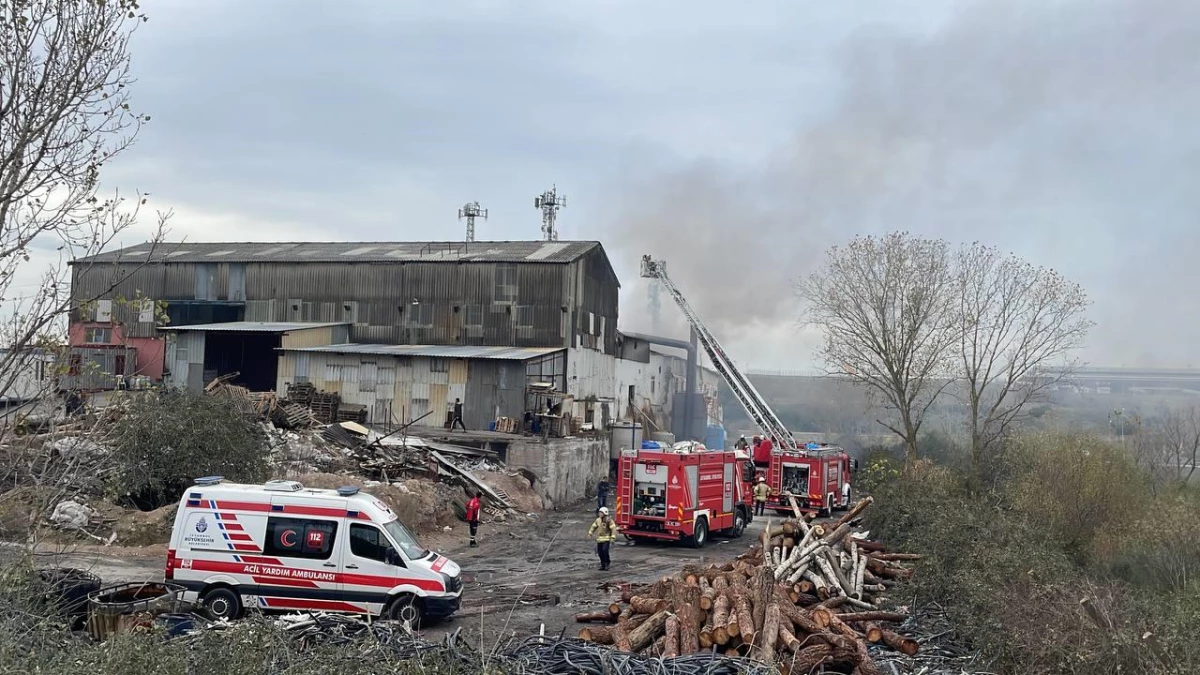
(807, 596)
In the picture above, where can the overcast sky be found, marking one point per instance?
(735, 140)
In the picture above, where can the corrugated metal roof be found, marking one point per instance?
(379, 251)
(436, 351)
(255, 326)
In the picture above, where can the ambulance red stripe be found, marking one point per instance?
(329, 605)
(264, 572)
(240, 537)
(277, 581)
(233, 527)
(255, 548)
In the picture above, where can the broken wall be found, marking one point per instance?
(568, 468)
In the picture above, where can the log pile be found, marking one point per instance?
(806, 595)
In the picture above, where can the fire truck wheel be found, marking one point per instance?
(405, 608)
(700, 535)
(739, 524)
(222, 603)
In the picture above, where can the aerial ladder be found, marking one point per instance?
(747, 395)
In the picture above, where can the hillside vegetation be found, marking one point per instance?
(1062, 556)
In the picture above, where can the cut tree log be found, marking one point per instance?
(769, 633)
(808, 658)
(745, 619)
(787, 637)
(642, 636)
(720, 612)
(595, 617)
(671, 644)
(615, 610)
(906, 646)
(889, 617)
(643, 605)
(872, 631)
(854, 512)
(601, 635)
(896, 556)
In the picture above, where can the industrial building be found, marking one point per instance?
(402, 328)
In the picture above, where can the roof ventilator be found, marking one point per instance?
(283, 485)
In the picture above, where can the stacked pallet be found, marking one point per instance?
(807, 596)
(351, 412)
(301, 393)
(508, 425)
(292, 416)
(324, 406)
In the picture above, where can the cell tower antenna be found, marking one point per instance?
(550, 202)
(471, 211)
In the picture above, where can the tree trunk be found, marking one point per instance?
(720, 613)
(873, 632)
(745, 619)
(906, 646)
(890, 617)
(643, 635)
(769, 633)
(643, 605)
(671, 644)
(807, 659)
(601, 635)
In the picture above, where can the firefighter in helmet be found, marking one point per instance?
(761, 491)
(605, 531)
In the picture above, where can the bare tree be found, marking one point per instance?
(1019, 325)
(884, 304)
(1169, 450)
(65, 111)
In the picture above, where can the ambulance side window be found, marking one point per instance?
(368, 542)
(300, 538)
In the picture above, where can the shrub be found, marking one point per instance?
(167, 439)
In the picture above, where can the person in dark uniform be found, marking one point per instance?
(602, 493)
(458, 421)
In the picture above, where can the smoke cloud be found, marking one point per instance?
(1063, 131)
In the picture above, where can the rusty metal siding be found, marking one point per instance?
(311, 337)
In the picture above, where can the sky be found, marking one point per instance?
(735, 141)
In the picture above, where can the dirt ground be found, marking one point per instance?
(522, 576)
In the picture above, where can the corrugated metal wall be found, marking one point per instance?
(400, 389)
(185, 360)
(315, 337)
(528, 304)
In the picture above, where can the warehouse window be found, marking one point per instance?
(439, 365)
(420, 315)
(506, 282)
(525, 316)
(97, 336)
(473, 315)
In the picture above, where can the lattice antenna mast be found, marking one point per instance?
(550, 202)
(471, 211)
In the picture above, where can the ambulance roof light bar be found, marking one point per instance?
(209, 480)
(347, 491)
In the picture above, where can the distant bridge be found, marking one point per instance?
(1117, 378)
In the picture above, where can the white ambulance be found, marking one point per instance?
(281, 546)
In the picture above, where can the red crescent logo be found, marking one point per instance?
(288, 538)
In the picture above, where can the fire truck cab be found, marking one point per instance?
(683, 493)
(814, 476)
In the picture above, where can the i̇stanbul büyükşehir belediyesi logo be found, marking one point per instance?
(201, 525)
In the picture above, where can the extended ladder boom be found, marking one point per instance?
(747, 395)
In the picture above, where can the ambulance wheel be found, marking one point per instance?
(405, 608)
(222, 603)
(700, 535)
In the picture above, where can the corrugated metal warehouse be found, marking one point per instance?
(516, 293)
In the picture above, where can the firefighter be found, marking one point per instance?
(473, 516)
(602, 493)
(741, 443)
(605, 531)
(846, 493)
(760, 496)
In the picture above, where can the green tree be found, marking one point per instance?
(167, 439)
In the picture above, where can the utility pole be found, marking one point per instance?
(471, 211)
(550, 202)
(1120, 415)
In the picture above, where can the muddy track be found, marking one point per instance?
(519, 579)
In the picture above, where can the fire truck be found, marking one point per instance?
(814, 476)
(683, 493)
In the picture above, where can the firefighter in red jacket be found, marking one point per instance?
(473, 516)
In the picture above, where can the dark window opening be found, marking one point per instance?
(300, 538)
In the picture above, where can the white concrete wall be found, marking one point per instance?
(656, 382)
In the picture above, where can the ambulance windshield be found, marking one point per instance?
(407, 541)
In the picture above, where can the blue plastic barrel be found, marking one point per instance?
(177, 624)
(715, 440)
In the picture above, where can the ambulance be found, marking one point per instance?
(281, 546)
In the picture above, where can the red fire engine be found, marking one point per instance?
(684, 493)
(814, 476)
